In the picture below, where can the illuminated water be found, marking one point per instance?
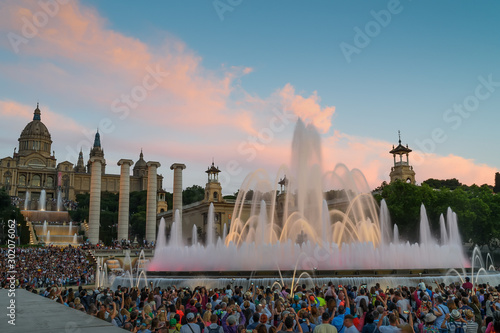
(304, 225)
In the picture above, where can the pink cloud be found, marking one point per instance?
(79, 57)
(308, 108)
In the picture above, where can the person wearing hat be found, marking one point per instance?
(172, 328)
(454, 322)
(191, 326)
(429, 323)
(471, 325)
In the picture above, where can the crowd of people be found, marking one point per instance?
(51, 202)
(43, 267)
(454, 308)
(124, 244)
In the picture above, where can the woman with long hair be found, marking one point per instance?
(331, 307)
(476, 307)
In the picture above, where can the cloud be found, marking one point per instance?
(92, 72)
(309, 109)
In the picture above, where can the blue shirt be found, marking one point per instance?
(338, 321)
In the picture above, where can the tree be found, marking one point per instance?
(10, 212)
(496, 189)
(439, 183)
(477, 209)
(193, 194)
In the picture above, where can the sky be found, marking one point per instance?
(192, 81)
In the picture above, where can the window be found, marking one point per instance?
(215, 196)
(35, 181)
(49, 182)
(7, 179)
(22, 180)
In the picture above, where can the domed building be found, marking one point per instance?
(34, 167)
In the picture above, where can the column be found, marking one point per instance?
(95, 199)
(177, 197)
(151, 201)
(124, 199)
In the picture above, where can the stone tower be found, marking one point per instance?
(96, 167)
(213, 189)
(402, 170)
(162, 205)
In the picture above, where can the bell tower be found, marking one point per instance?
(213, 189)
(402, 170)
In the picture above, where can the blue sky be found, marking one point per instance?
(426, 59)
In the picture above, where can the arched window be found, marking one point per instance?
(35, 181)
(7, 178)
(49, 182)
(22, 180)
(215, 196)
(207, 195)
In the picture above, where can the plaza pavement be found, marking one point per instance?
(35, 313)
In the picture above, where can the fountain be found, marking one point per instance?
(27, 200)
(42, 201)
(210, 226)
(75, 238)
(44, 227)
(194, 235)
(70, 227)
(59, 201)
(47, 238)
(300, 221)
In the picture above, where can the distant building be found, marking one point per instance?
(196, 214)
(402, 170)
(34, 168)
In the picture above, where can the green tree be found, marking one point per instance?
(10, 212)
(193, 194)
(496, 188)
(477, 209)
(439, 183)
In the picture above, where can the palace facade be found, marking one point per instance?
(33, 167)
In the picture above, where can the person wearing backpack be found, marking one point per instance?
(214, 327)
(454, 322)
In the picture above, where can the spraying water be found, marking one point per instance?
(27, 200)
(42, 201)
(308, 225)
(194, 235)
(59, 201)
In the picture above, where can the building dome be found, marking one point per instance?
(35, 137)
(140, 166)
